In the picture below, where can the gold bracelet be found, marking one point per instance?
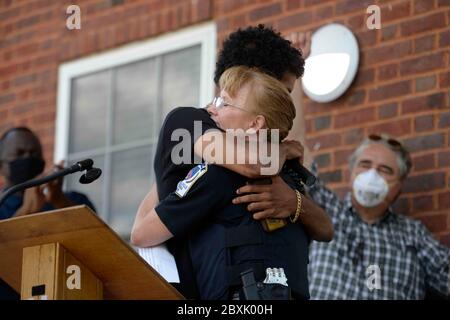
(299, 207)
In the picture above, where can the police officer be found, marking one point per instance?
(260, 47)
(224, 239)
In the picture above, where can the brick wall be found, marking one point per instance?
(402, 86)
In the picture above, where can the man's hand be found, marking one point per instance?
(276, 200)
(302, 41)
(53, 191)
(293, 150)
(33, 201)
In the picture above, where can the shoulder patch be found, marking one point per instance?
(193, 175)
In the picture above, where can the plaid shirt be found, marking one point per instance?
(407, 257)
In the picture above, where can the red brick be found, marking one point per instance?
(423, 203)
(395, 89)
(8, 13)
(435, 223)
(388, 71)
(356, 98)
(401, 205)
(424, 123)
(322, 123)
(313, 107)
(444, 80)
(354, 117)
(393, 12)
(388, 52)
(356, 22)
(324, 141)
(293, 4)
(203, 10)
(389, 32)
(395, 128)
(387, 110)
(323, 13)
(342, 157)
(444, 39)
(322, 160)
(422, 64)
(232, 5)
(444, 120)
(265, 12)
(295, 20)
(424, 44)
(444, 159)
(366, 38)
(24, 107)
(423, 103)
(419, 143)
(430, 22)
(421, 6)
(424, 182)
(425, 83)
(309, 3)
(7, 98)
(347, 6)
(364, 76)
(423, 162)
(353, 136)
(444, 200)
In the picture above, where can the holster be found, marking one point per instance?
(263, 291)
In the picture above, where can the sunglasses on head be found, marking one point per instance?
(392, 142)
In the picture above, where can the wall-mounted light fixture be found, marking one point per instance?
(332, 64)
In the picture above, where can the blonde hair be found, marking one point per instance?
(267, 96)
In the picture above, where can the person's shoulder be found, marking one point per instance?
(186, 112)
(409, 225)
(216, 177)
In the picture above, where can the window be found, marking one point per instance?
(111, 107)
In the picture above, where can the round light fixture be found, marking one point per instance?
(332, 64)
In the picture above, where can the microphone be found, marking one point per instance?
(305, 175)
(85, 165)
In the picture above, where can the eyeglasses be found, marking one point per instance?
(392, 142)
(219, 102)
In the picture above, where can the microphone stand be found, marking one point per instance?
(79, 166)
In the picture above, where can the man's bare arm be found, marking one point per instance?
(278, 200)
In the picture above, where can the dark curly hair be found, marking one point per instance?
(261, 47)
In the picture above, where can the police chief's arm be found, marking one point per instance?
(148, 230)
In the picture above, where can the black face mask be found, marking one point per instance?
(23, 169)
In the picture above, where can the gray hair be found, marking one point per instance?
(403, 157)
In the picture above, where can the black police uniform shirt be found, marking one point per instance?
(204, 199)
(168, 175)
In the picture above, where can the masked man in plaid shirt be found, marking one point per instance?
(376, 253)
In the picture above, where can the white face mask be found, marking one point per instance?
(369, 188)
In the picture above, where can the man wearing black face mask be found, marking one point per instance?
(21, 160)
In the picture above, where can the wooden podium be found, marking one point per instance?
(72, 254)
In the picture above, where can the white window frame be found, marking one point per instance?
(204, 35)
